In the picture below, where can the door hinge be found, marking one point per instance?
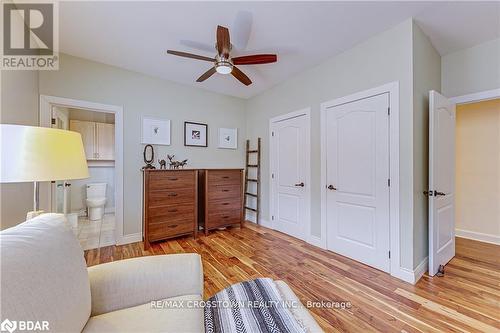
(272, 175)
(53, 121)
(272, 217)
(389, 182)
(389, 254)
(388, 111)
(272, 133)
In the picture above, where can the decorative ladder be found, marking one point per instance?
(252, 180)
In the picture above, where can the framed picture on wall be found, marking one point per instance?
(195, 134)
(155, 131)
(228, 138)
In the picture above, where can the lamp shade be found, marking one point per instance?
(31, 154)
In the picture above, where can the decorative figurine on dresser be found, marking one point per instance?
(170, 204)
(221, 198)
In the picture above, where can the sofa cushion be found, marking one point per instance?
(44, 276)
(145, 318)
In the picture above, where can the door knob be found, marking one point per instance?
(437, 193)
(331, 187)
(301, 184)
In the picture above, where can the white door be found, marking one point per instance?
(290, 176)
(441, 181)
(357, 170)
(105, 141)
(87, 131)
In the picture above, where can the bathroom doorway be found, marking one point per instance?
(93, 206)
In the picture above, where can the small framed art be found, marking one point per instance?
(195, 134)
(228, 138)
(155, 131)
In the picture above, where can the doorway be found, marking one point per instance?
(290, 173)
(478, 171)
(93, 206)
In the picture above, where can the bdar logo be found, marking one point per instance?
(35, 21)
(8, 326)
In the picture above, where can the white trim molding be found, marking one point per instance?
(46, 103)
(395, 238)
(265, 223)
(317, 241)
(412, 276)
(130, 238)
(478, 236)
(302, 112)
(476, 97)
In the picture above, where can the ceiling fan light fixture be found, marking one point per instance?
(223, 66)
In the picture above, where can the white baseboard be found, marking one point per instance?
(421, 269)
(487, 238)
(130, 238)
(412, 276)
(266, 223)
(316, 241)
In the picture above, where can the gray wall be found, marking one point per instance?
(426, 77)
(471, 70)
(19, 105)
(379, 60)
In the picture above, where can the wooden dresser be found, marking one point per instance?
(220, 198)
(170, 204)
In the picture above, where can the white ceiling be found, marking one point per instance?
(136, 35)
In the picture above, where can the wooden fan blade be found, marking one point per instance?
(241, 76)
(255, 59)
(206, 75)
(223, 42)
(190, 55)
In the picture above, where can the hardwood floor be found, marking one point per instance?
(466, 299)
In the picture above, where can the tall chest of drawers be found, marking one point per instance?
(221, 198)
(170, 204)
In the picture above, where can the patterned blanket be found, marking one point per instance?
(250, 307)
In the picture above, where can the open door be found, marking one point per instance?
(441, 181)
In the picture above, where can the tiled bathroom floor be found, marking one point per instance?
(96, 234)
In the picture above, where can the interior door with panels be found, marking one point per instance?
(441, 181)
(290, 157)
(357, 158)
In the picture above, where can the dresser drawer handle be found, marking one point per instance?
(225, 177)
(225, 203)
(225, 190)
(172, 210)
(173, 178)
(172, 194)
(173, 225)
(225, 217)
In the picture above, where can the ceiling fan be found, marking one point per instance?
(223, 63)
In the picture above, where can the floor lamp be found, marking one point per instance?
(40, 154)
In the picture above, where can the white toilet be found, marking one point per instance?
(96, 199)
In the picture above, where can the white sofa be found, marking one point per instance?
(44, 278)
